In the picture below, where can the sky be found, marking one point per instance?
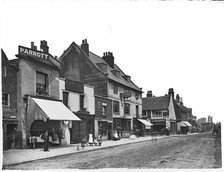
(160, 44)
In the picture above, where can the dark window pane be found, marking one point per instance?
(65, 98)
(116, 107)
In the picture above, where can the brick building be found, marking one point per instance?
(9, 104)
(160, 111)
(183, 116)
(108, 80)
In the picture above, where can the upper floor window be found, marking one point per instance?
(81, 101)
(4, 71)
(41, 83)
(116, 105)
(127, 109)
(115, 89)
(65, 98)
(157, 114)
(137, 95)
(144, 113)
(104, 109)
(137, 110)
(5, 99)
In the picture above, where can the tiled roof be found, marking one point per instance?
(155, 103)
(97, 59)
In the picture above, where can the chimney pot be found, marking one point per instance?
(171, 92)
(43, 46)
(85, 46)
(149, 93)
(109, 59)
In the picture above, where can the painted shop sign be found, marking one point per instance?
(33, 53)
(38, 54)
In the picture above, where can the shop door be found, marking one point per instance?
(11, 128)
(78, 131)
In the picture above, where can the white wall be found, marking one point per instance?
(89, 99)
(61, 87)
(74, 101)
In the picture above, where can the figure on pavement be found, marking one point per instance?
(45, 137)
(90, 138)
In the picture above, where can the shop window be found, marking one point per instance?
(127, 109)
(4, 71)
(5, 99)
(126, 125)
(41, 83)
(65, 98)
(115, 89)
(116, 108)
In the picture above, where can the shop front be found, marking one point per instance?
(81, 129)
(117, 126)
(145, 127)
(158, 125)
(105, 129)
(184, 127)
(50, 115)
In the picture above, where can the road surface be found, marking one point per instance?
(185, 152)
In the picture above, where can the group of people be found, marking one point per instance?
(91, 140)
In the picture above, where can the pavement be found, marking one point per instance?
(16, 156)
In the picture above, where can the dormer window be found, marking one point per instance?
(116, 73)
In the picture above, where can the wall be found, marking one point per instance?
(89, 99)
(9, 86)
(132, 100)
(27, 86)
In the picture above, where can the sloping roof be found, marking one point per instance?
(155, 103)
(9, 62)
(97, 59)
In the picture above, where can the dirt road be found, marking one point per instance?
(186, 152)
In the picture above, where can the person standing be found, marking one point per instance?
(33, 141)
(45, 137)
(90, 138)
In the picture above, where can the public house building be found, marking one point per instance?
(38, 105)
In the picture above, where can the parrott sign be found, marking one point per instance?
(30, 52)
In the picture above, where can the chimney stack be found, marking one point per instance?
(43, 46)
(171, 92)
(33, 46)
(109, 58)
(178, 98)
(85, 46)
(149, 93)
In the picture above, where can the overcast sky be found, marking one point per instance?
(160, 44)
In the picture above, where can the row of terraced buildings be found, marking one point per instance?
(78, 93)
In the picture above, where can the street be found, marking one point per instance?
(186, 152)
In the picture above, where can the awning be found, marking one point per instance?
(55, 110)
(147, 124)
(185, 124)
